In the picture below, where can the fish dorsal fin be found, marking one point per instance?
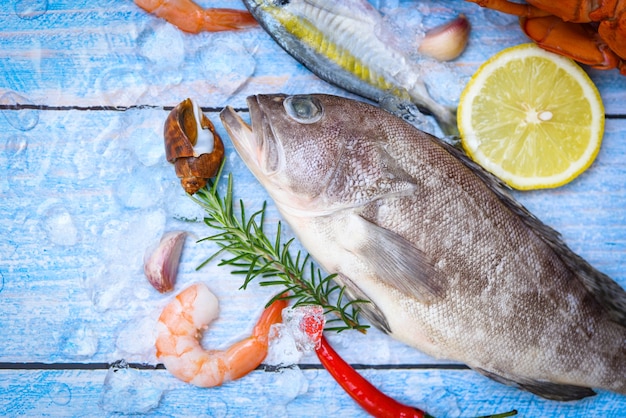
(399, 264)
(605, 290)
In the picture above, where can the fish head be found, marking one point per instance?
(292, 146)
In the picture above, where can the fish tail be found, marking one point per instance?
(407, 107)
(447, 121)
(445, 115)
(409, 111)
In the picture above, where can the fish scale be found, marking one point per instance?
(452, 265)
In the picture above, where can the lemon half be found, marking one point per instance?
(531, 117)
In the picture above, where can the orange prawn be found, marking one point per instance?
(190, 17)
(179, 330)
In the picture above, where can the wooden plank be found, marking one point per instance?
(119, 61)
(292, 392)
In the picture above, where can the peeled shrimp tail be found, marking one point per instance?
(190, 17)
(271, 315)
(247, 355)
(179, 331)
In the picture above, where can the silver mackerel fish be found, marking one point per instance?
(453, 266)
(347, 44)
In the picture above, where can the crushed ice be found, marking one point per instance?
(298, 335)
(58, 224)
(129, 390)
(79, 342)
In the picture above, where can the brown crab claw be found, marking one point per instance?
(192, 145)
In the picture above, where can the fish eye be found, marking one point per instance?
(303, 109)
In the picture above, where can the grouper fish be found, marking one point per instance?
(452, 265)
(347, 44)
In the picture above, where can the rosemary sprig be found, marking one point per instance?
(255, 255)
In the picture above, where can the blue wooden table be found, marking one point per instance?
(85, 87)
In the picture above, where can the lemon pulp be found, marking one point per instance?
(531, 117)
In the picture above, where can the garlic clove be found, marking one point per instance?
(161, 263)
(448, 41)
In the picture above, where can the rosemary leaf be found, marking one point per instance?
(256, 256)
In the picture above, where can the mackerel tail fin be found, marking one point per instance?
(445, 115)
(412, 113)
(446, 118)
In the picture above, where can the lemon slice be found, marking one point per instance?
(531, 117)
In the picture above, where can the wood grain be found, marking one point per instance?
(85, 188)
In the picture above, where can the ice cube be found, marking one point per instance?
(306, 324)
(282, 350)
(218, 72)
(287, 385)
(298, 335)
(163, 46)
(79, 341)
(58, 224)
(127, 390)
(136, 337)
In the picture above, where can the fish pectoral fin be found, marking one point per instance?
(548, 390)
(369, 310)
(400, 264)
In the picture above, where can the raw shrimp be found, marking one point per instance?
(179, 330)
(190, 17)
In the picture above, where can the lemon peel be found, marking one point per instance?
(531, 117)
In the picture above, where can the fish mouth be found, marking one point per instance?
(241, 134)
(250, 141)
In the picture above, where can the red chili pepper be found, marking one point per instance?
(363, 392)
(367, 395)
